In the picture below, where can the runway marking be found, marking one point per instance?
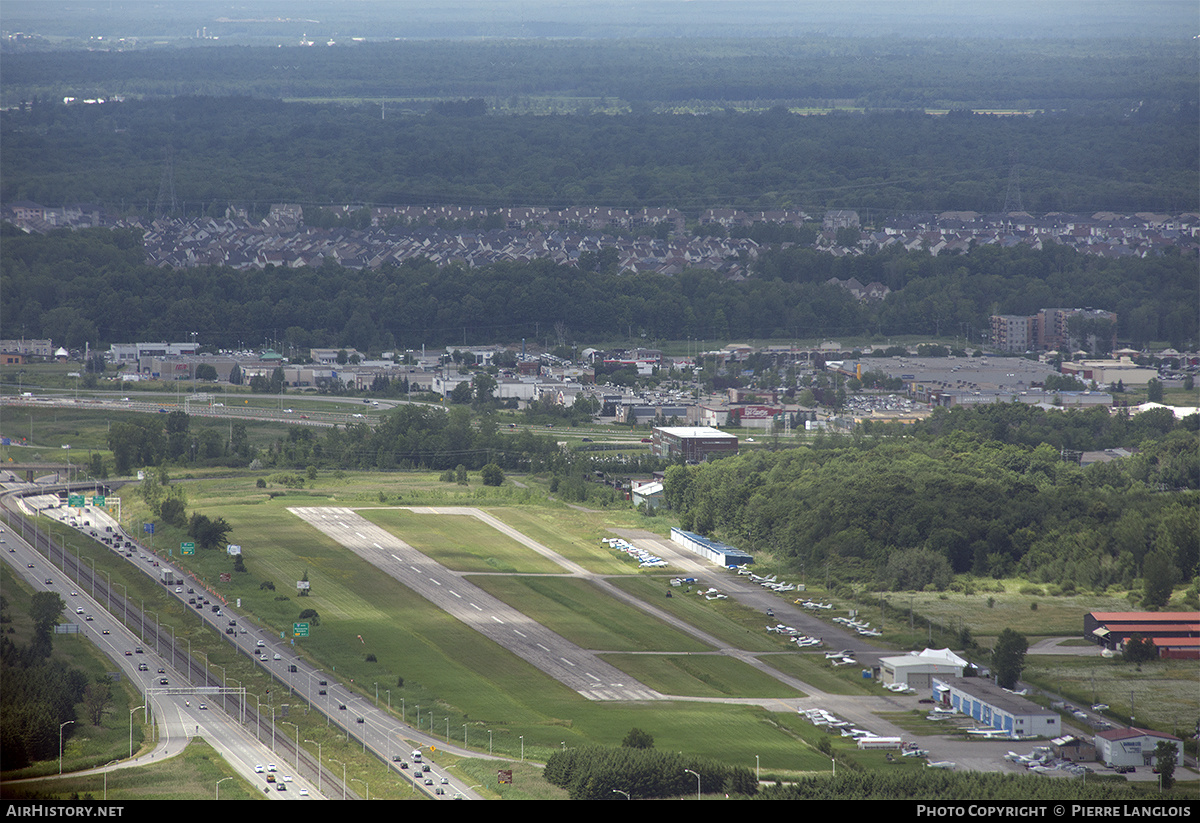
(568, 662)
(456, 594)
(498, 620)
(432, 580)
(518, 632)
(476, 608)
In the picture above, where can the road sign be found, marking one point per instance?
(187, 548)
(98, 501)
(75, 500)
(300, 630)
(148, 528)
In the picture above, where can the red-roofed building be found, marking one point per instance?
(1175, 634)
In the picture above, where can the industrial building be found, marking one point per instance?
(1175, 634)
(712, 550)
(1133, 747)
(994, 707)
(692, 444)
(916, 669)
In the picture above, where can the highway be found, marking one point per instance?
(193, 701)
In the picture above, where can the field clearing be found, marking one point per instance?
(462, 542)
(587, 616)
(701, 675)
(1054, 616)
(728, 621)
(575, 533)
(1164, 693)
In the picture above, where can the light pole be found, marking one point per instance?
(60, 731)
(618, 791)
(106, 765)
(131, 712)
(689, 771)
(489, 742)
(219, 782)
(297, 728)
(320, 768)
(756, 780)
(343, 765)
(356, 780)
(522, 748)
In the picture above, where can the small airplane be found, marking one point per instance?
(941, 764)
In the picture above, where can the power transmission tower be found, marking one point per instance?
(166, 205)
(1012, 197)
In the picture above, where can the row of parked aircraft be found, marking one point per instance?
(804, 641)
(768, 582)
(645, 559)
(859, 626)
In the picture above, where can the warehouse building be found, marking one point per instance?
(994, 707)
(694, 444)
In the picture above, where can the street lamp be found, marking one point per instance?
(343, 765)
(522, 748)
(60, 731)
(297, 728)
(219, 782)
(320, 768)
(131, 712)
(618, 791)
(356, 780)
(689, 771)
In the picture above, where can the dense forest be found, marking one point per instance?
(1110, 75)
(250, 152)
(93, 287)
(982, 491)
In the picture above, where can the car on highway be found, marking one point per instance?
(30, 566)
(429, 781)
(203, 707)
(105, 631)
(79, 610)
(303, 792)
(258, 769)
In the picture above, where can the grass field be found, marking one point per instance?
(462, 543)
(434, 672)
(190, 776)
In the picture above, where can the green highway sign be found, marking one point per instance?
(299, 630)
(75, 500)
(187, 548)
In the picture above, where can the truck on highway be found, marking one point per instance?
(167, 576)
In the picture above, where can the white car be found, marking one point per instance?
(270, 767)
(258, 769)
(287, 778)
(303, 792)
(179, 590)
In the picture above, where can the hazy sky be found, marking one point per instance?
(276, 19)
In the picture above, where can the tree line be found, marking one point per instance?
(910, 515)
(93, 286)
